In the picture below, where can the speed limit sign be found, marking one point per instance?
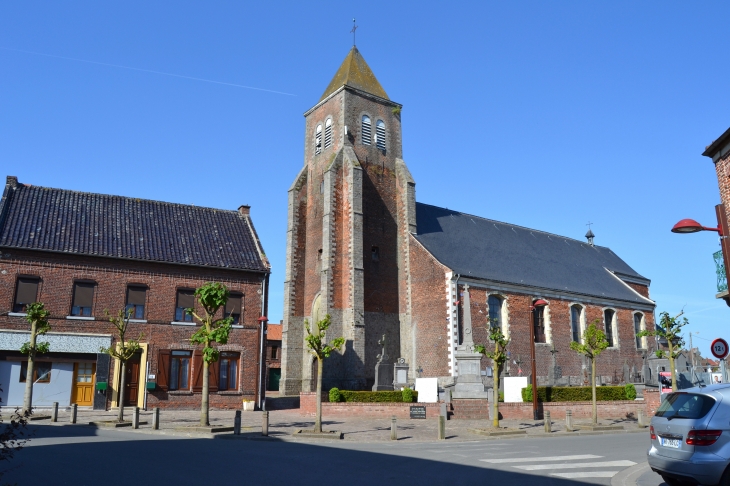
(719, 348)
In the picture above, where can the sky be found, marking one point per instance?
(547, 115)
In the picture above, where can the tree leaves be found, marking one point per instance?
(594, 341)
(317, 341)
(36, 312)
(124, 349)
(668, 328)
(499, 355)
(211, 296)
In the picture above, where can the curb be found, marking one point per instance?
(628, 476)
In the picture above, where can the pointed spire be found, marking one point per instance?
(590, 236)
(356, 73)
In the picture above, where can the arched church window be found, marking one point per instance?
(366, 133)
(495, 312)
(380, 134)
(575, 315)
(328, 133)
(318, 139)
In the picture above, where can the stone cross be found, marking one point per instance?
(468, 335)
(382, 356)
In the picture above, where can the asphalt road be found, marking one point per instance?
(77, 455)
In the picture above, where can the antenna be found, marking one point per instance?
(354, 28)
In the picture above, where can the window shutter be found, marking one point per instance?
(215, 372)
(83, 294)
(318, 140)
(233, 305)
(186, 299)
(163, 368)
(136, 295)
(380, 134)
(328, 133)
(197, 371)
(27, 291)
(366, 133)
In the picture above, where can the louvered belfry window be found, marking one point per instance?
(380, 134)
(366, 130)
(328, 133)
(318, 140)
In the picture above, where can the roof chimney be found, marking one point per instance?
(244, 210)
(590, 236)
(12, 181)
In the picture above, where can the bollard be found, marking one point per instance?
(237, 423)
(265, 424)
(443, 411)
(74, 409)
(156, 418)
(54, 412)
(135, 418)
(393, 429)
(548, 423)
(569, 420)
(640, 418)
(442, 427)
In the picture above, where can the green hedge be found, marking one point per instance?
(372, 396)
(575, 393)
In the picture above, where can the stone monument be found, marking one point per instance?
(400, 371)
(469, 380)
(383, 370)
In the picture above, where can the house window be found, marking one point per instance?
(274, 352)
(136, 298)
(228, 371)
(328, 133)
(495, 312)
(575, 315)
(26, 292)
(318, 140)
(366, 130)
(233, 307)
(637, 329)
(185, 300)
(608, 316)
(180, 370)
(83, 299)
(375, 253)
(380, 134)
(41, 372)
(538, 315)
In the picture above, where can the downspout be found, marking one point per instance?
(456, 341)
(262, 338)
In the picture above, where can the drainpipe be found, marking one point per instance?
(453, 349)
(262, 339)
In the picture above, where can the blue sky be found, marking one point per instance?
(542, 114)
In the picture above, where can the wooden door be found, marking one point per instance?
(82, 393)
(132, 381)
(274, 377)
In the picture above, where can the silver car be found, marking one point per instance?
(690, 436)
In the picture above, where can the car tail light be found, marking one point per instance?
(703, 437)
(652, 435)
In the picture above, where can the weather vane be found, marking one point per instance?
(354, 28)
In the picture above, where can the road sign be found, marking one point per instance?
(719, 348)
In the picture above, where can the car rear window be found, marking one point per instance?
(685, 405)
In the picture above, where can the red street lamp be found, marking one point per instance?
(535, 304)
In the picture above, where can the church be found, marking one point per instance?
(361, 249)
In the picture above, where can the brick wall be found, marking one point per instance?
(308, 407)
(477, 409)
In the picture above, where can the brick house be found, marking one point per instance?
(719, 152)
(360, 249)
(273, 356)
(83, 254)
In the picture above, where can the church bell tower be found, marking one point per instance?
(351, 208)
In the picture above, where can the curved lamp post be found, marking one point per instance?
(535, 304)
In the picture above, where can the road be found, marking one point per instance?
(77, 455)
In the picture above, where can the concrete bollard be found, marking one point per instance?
(265, 424)
(393, 429)
(443, 410)
(442, 427)
(135, 418)
(74, 409)
(640, 418)
(54, 412)
(569, 420)
(548, 422)
(237, 423)
(156, 418)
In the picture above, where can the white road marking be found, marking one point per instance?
(590, 474)
(541, 459)
(536, 467)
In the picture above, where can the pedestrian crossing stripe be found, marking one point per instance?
(588, 474)
(537, 467)
(541, 459)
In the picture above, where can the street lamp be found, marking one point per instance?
(536, 304)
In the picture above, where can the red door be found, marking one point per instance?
(132, 381)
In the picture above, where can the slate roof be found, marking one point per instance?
(355, 72)
(80, 223)
(482, 248)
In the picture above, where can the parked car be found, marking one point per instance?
(690, 437)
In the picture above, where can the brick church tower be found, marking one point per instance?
(351, 208)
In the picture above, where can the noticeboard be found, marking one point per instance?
(418, 412)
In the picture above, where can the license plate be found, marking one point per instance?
(673, 443)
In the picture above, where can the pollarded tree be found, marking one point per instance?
(669, 328)
(318, 347)
(37, 316)
(593, 343)
(123, 351)
(212, 297)
(499, 357)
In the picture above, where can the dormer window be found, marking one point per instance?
(318, 140)
(380, 134)
(366, 131)
(328, 133)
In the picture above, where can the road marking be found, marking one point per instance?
(541, 459)
(590, 474)
(536, 467)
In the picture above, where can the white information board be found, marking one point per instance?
(428, 390)
(513, 386)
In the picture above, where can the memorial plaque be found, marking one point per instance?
(418, 412)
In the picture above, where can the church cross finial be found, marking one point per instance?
(589, 224)
(354, 28)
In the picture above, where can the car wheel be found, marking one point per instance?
(674, 482)
(725, 480)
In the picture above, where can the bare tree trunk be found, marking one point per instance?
(593, 390)
(122, 390)
(318, 419)
(204, 420)
(495, 398)
(671, 366)
(28, 396)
